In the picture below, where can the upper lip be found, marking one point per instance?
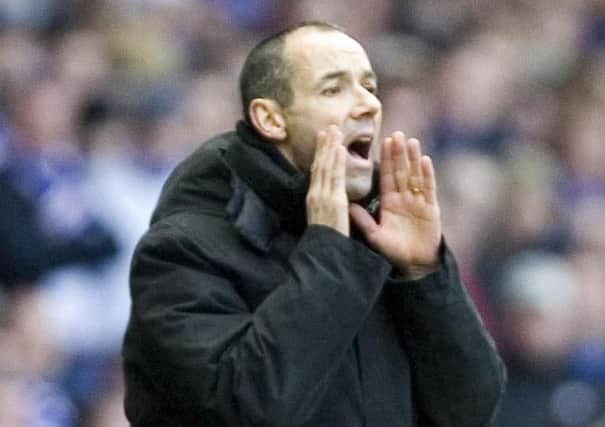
(365, 136)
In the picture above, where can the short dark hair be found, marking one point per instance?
(267, 73)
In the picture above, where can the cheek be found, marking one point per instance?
(326, 111)
(305, 152)
(375, 149)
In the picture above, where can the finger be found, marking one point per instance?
(339, 170)
(415, 179)
(363, 220)
(318, 160)
(430, 183)
(387, 178)
(330, 167)
(401, 161)
(320, 147)
(327, 167)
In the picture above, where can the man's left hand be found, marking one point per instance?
(409, 232)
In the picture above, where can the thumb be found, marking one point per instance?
(363, 220)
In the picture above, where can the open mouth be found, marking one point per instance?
(360, 148)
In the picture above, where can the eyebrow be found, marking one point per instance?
(341, 73)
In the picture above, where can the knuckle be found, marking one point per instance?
(313, 199)
(338, 181)
(319, 163)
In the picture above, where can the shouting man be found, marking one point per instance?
(289, 280)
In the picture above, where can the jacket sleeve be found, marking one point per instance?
(217, 359)
(458, 376)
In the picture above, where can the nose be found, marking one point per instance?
(366, 104)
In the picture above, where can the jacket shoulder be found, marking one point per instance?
(200, 181)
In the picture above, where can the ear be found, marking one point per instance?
(267, 118)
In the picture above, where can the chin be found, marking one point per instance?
(358, 187)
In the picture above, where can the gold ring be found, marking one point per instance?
(415, 190)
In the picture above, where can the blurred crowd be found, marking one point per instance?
(99, 99)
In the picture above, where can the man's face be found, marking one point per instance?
(333, 83)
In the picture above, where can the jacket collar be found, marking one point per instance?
(275, 184)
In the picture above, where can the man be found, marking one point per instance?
(280, 284)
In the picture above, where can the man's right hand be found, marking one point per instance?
(327, 202)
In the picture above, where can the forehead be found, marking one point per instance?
(314, 53)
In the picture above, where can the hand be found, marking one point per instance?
(327, 201)
(409, 232)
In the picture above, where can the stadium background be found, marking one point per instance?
(99, 100)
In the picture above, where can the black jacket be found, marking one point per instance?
(244, 316)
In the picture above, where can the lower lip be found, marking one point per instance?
(358, 162)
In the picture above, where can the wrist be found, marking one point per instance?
(416, 272)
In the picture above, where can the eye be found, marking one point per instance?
(372, 89)
(331, 91)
